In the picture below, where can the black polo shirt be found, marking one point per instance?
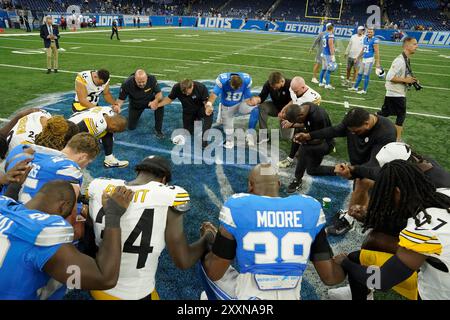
(192, 102)
(280, 98)
(139, 97)
(364, 148)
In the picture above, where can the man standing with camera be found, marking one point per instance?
(398, 80)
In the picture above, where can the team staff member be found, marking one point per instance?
(366, 134)
(355, 45)
(89, 85)
(193, 96)
(144, 92)
(50, 34)
(398, 79)
(115, 30)
(311, 117)
(277, 87)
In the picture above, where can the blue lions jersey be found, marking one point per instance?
(273, 235)
(229, 96)
(48, 165)
(28, 239)
(326, 46)
(369, 50)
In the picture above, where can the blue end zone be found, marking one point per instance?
(208, 185)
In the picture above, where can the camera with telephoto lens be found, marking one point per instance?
(417, 86)
(409, 72)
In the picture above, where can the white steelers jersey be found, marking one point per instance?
(309, 96)
(93, 91)
(26, 129)
(94, 118)
(433, 240)
(143, 232)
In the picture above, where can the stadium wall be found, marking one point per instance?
(433, 38)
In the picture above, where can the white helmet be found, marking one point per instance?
(380, 72)
(393, 151)
(179, 140)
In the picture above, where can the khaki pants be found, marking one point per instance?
(52, 50)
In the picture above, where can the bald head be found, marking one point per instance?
(298, 85)
(263, 180)
(298, 114)
(140, 76)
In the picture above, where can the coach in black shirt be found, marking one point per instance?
(193, 96)
(144, 92)
(366, 134)
(310, 117)
(278, 89)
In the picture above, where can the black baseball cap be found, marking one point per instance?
(157, 165)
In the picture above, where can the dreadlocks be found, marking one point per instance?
(53, 134)
(417, 193)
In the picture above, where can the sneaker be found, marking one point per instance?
(314, 80)
(112, 162)
(344, 293)
(285, 163)
(49, 71)
(362, 92)
(159, 134)
(352, 89)
(321, 84)
(250, 140)
(329, 87)
(55, 71)
(340, 225)
(294, 186)
(228, 145)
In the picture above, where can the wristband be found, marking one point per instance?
(209, 104)
(113, 212)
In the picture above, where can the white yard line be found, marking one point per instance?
(374, 108)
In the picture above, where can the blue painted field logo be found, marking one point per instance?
(190, 149)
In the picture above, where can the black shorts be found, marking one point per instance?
(394, 106)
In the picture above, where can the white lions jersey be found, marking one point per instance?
(143, 232)
(433, 240)
(94, 118)
(93, 91)
(309, 96)
(26, 129)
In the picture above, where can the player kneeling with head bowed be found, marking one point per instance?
(102, 123)
(35, 243)
(155, 217)
(272, 239)
(405, 203)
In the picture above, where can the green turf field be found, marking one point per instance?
(176, 53)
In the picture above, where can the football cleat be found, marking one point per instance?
(294, 186)
(362, 92)
(112, 162)
(340, 225)
(329, 87)
(344, 293)
(285, 163)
